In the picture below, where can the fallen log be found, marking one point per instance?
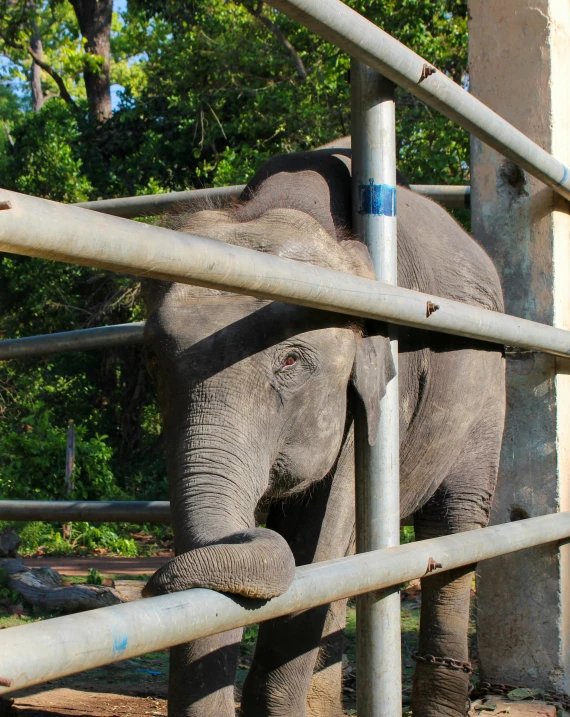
(43, 587)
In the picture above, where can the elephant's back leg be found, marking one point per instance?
(461, 503)
(297, 666)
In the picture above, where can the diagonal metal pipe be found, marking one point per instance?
(50, 649)
(38, 227)
(336, 22)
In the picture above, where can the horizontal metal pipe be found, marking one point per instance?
(345, 28)
(38, 652)
(102, 337)
(153, 204)
(452, 197)
(38, 227)
(95, 511)
(448, 195)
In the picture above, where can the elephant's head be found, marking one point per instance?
(254, 400)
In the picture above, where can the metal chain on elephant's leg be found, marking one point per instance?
(449, 662)
(558, 699)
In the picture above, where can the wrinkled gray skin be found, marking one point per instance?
(257, 399)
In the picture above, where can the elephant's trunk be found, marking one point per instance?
(255, 563)
(216, 481)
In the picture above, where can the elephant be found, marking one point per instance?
(258, 399)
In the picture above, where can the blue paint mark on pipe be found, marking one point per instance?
(120, 642)
(565, 175)
(377, 199)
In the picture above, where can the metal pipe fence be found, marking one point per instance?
(44, 229)
(42, 651)
(96, 511)
(38, 227)
(339, 24)
(450, 196)
(100, 337)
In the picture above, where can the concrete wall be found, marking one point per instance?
(520, 67)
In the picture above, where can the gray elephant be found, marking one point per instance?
(258, 398)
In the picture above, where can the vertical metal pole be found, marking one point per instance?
(379, 671)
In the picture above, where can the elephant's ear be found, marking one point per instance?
(373, 370)
(373, 364)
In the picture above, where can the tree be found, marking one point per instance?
(94, 18)
(36, 70)
(21, 42)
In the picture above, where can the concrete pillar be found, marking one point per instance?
(519, 66)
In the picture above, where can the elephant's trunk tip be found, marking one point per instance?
(255, 563)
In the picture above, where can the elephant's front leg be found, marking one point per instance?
(194, 688)
(297, 666)
(461, 503)
(438, 690)
(279, 681)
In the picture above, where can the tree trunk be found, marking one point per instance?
(36, 73)
(94, 18)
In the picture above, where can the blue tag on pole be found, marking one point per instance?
(377, 199)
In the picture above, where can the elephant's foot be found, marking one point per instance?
(255, 563)
(439, 691)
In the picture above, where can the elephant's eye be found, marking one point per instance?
(153, 360)
(289, 360)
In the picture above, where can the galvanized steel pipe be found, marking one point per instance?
(96, 511)
(345, 28)
(38, 227)
(38, 652)
(154, 204)
(448, 195)
(452, 197)
(378, 662)
(101, 337)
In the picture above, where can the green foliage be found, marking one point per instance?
(407, 534)
(45, 161)
(7, 596)
(94, 577)
(84, 539)
(32, 458)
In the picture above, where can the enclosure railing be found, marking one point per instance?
(46, 650)
(35, 653)
(450, 196)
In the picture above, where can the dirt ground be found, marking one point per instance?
(74, 566)
(63, 702)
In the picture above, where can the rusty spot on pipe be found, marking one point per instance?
(431, 308)
(427, 70)
(5, 204)
(432, 565)
(6, 681)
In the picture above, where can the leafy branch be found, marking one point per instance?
(278, 33)
(57, 78)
